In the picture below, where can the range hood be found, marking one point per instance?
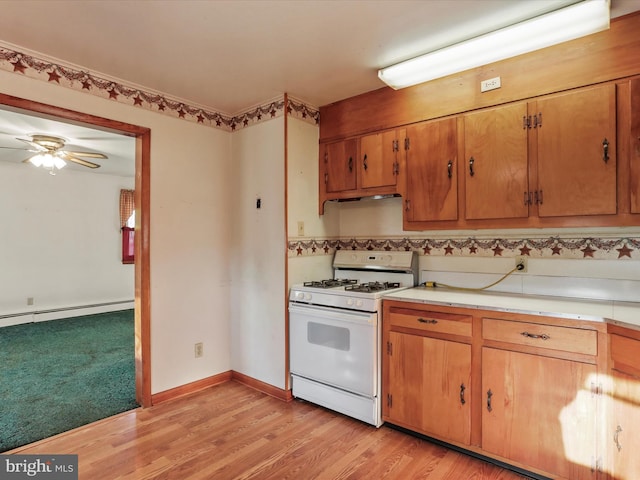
(371, 197)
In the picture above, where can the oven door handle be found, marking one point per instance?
(335, 314)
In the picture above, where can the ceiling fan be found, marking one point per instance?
(49, 153)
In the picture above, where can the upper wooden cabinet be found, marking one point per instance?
(432, 172)
(361, 167)
(338, 162)
(634, 147)
(496, 169)
(561, 160)
(379, 163)
(575, 144)
(551, 161)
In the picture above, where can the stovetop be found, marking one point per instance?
(360, 280)
(352, 285)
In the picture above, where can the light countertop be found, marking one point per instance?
(573, 308)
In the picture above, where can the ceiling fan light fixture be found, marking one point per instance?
(569, 23)
(47, 160)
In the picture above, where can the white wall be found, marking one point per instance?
(61, 242)
(383, 218)
(302, 196)
(190, 213)
(257, 253)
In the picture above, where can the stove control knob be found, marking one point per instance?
(307, 296)
(350, 302)
(299, 295)
(359, 303)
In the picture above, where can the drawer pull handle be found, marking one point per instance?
(462, 389)
(615, 438)
(542, 336)
(428, 320)
(489, 395)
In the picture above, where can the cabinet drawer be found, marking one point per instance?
(448, 323)
(566, 339)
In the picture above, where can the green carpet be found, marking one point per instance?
(61, 374)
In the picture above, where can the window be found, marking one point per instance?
(127, 225)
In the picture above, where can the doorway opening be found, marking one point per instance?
(142, 137)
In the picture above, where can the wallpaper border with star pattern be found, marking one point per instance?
(38, 67)
(624, 248)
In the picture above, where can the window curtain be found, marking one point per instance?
(127, 207)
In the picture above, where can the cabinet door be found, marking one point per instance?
(432, 179)
(576, 160)
(496, 179)
(539, 411)
(340, 166)
(635, 146)
(625, 426)
(429, 386)
(378, 160)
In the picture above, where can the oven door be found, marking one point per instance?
(335, 347)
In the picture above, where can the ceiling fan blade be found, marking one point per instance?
(79, 161)
(38, 147)
(17, 148)
(85, 154)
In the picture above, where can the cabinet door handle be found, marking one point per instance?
(542, 336)
(462, 389)
(449, 167)
(471, 162)
(407, 205)
(615, 438)
(350, 164)
(527, 198)
(428, 320)
(489, 395)
(364, 162)
(605, 150)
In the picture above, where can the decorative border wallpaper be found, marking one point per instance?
(31, 66)
(551, 247)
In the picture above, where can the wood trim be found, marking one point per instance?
(284, 395)
(286, 246)
(597, 58)
(143, 269)
(190, 388)
(143, 189)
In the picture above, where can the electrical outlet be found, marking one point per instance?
(29, 300)
(301, 229)
(198, 349)
(490, 84)
(521, 264)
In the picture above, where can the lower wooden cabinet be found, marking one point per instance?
(427, 358)
(623, 432)
(523, 389)
(539, 411)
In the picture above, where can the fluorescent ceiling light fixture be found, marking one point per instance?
(574, 21)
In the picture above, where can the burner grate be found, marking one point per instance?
(372, 287)
(330, 283)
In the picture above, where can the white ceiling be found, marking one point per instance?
(229, 55)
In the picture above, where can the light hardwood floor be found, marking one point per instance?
(234, 432)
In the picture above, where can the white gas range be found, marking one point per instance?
(335, 332)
